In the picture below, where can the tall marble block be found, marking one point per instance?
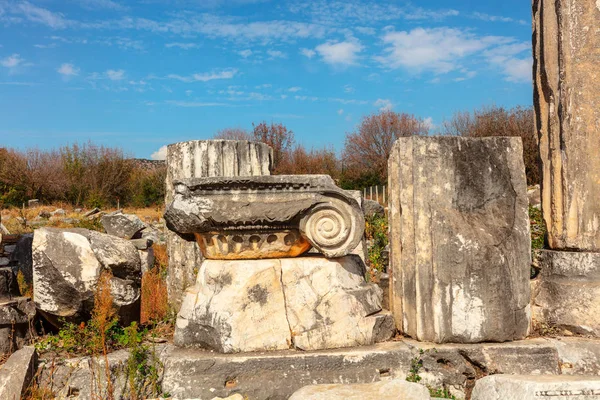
(567, 110)
(460, 244)
(204, 158)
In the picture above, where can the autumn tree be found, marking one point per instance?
(499, 121)
(233, 134)
(279, 138)
(368, 147)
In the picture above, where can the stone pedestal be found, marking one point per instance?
(460, 245)
(204, 158)
(567, 105)
(309, 303)
(568, 291)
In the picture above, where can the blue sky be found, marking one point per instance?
(143, 74)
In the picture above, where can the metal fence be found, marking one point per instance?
(376, 193)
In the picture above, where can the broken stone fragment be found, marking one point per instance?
(125, 226)
(17, 373)
(244, 217)
(66, 267)
(16, 316)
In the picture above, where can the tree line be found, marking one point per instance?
(82, 175)
(91, 175)
(363, 160)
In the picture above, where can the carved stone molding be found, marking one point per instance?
(266, 216)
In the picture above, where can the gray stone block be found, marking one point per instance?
(460, 244)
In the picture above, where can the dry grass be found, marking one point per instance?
(12, 217)
(155, 306)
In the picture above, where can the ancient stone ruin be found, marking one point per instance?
(460, 244)
(252, 293)
(268, 274)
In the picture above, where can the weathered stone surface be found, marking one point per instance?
(523, 387)
(456, 366)
(193, 373)
(460, 244)
(66, 268)
(203, 158)
(372, 208)
(241, 217)
(329, 304)
(16, 318)
(567, 110)
(147, 259)
(125, 226)
(17, 373)
(384, 390)
(568, 290)
(235, 306)
(310, 302)
(578, 356)
(21, 259)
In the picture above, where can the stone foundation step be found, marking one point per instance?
(532, 387)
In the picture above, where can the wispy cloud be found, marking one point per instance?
(245, 53)
(102, 4)
(308, 53)
(68, 69)
(12, 61)
(115, 75)
(383, 104)
(205, 77)
(496, 18)
(184, 46)
(39, 15)
(195, 104)
(273, 54)
(340, 53)
(294, 89)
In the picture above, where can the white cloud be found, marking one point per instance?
(245, 53)
(102, 4)
(188, 92)
(428, 123)
(160, 154)
(439, 49)
(519, 70)
(276, 54)
(308, 53)
(340, 111)
(340, 53)
(496, 18)
(115, 75)
(40, 15)
(45, 46)
(295, 89)
(194, 104)
(349, 89)
(12, 61)
(383, 104)
(184, 46)
(284, 96)
(68, 69)
(207, 76)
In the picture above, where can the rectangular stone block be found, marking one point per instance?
(568, 291)
(459, 238)
(567, 110)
